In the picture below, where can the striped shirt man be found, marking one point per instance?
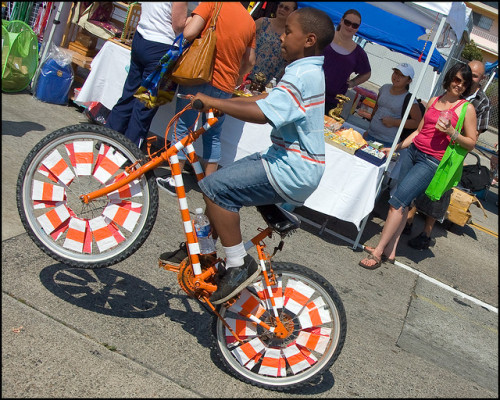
(481, 104)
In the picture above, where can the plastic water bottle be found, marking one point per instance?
(202, 226)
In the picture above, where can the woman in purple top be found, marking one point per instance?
(343, 57)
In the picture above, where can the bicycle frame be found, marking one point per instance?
(201, 279)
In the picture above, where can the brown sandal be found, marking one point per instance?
(378, 262)
(369, 250)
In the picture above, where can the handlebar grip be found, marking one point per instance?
(198, 104)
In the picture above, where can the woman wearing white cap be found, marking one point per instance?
(386, 115)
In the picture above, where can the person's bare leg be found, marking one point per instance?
(226, 224)
(210, 168)
(393, 227)
(390, 248)
(411, 215)
(429, 224)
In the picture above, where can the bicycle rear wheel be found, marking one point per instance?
(314, 316)
(73, 161)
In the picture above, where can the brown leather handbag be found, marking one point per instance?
(196, 64)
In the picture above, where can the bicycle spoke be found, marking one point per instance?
(69, 163)
(310, 316)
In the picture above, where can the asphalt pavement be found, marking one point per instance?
(424, 327)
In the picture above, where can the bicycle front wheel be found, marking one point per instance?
(313, 315)
(77, 160)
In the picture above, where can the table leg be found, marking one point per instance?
(323, 226)
(361, 229)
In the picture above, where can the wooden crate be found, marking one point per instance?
(130, 24)
(81, 49)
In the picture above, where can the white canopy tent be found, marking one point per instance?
(452, 20)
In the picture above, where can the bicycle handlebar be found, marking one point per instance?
(198, 104)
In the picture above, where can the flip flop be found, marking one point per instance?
(378, 262)
(369, 250)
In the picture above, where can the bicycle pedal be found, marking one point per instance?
(169, 267)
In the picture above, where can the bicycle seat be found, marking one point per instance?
(279, 219)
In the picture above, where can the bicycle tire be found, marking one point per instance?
(72, 161)
(281, 371)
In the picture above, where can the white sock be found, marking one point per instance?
(235, 255)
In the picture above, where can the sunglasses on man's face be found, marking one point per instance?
(350, 23)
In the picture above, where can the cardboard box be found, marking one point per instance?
(371, 158)
(349, 147)
(458, 215)
(458, 210)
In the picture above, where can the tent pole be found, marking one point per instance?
(489, 81)
(434, 78)
(254, 7)
(412, 98)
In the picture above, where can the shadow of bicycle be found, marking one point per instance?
(115, 293)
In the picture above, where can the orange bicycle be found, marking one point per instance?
(88, 198)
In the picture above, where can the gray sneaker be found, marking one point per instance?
(235, 280)
(167, 184)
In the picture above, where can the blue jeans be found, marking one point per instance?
(129, 116)
(242, 183)
(211, 138)
(416, 172)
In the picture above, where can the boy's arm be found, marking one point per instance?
(243, 108)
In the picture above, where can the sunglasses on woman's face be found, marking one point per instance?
(350, 23)
(457, 81)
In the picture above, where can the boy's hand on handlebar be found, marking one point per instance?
(204, 103)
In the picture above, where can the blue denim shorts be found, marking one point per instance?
(417, 170)
(211, 138)
(242, 183)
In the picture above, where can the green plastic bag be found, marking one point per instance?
(449, 170)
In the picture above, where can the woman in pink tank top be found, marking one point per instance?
(426, 147)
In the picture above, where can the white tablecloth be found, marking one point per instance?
(108, 72)
(347, 189)
(349, 185)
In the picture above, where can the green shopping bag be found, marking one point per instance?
(449, 170)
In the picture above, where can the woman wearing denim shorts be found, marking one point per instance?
(426, 147)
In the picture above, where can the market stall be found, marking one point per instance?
(347, 190)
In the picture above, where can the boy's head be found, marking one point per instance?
(307, 32)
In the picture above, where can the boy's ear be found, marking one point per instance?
(311, 40)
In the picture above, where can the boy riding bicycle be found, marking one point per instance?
(291, 168)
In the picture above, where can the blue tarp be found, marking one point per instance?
(379, 26)
(488, 67)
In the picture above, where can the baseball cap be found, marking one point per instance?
(406, 69)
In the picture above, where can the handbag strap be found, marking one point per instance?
(461, 118)
(215, 15)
